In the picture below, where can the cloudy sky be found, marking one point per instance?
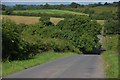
(59, 0)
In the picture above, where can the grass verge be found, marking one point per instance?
(15, 66)
(111, 64)
(111, 56)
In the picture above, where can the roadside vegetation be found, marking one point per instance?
(22, 42)
(111, 54)
(18, 65)
(74, 32)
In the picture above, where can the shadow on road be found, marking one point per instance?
(96, 51)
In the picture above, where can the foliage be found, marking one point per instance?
(13, 47)
(8, 10)
(112, 27)
(72, 34)
(80, 27)
(111, 56)
(88, 11)
(46, 21)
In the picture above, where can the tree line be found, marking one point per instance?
(61, 6)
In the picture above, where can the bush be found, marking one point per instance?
(8, 10)
(57, 45)
(13, 47)
(46, 21)
(112, 27)
(11, 40)
(81, 31)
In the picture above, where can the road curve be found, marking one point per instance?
(84, 66)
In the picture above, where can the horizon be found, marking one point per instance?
(51, 3)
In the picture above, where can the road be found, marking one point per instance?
(84, 66)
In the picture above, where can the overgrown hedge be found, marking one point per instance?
(77, 34)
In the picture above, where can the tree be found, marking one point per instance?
(74, 5)
(46, 21)
(8, 10)
(112, 27)
(2, 7)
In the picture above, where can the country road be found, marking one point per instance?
(84, 66)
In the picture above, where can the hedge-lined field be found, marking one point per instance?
(50, 11)
(100, 9)
(29, 19)
(32, 19)
(22, 19)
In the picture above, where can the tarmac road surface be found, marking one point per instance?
(83, 66)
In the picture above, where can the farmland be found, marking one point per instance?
(101, 9)
(29, 19)
(32, 20)
(50, 11)
(22, 19)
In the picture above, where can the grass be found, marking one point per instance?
(111, 64)
(15, 66)
(28, 19)
(101, 22)
(111, 56)
(51, 11)
(100, 9)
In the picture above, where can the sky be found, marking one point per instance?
(59, 0)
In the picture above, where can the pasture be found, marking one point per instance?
(100, 9)
(51, 11)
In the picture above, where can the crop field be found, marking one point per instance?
(33, 20)
(29, 19)
(51, 11)
(55, 20)
(22, 19)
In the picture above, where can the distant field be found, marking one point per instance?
(100, 9)
(55, 20)
(28, 19)
(32, 20)
(22, 19)
(101, 22)
(51, 11)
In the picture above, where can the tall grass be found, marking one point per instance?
(111, 57)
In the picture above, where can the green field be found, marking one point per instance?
(51, 11)
(101, 9)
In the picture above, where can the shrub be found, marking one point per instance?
(81, 31)
(46, 21)
(8, 10)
